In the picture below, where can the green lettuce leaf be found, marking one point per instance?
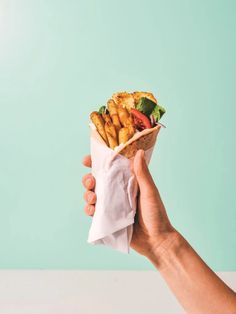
(102, 109)
(158, 112)
(146, 106)
(149, 107)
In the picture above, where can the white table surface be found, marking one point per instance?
(88, 292)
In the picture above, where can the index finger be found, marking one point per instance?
(87, 162)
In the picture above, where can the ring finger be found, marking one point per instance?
(90, 197)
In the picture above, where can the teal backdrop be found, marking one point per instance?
(59, 60)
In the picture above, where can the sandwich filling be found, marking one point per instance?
(124, 115)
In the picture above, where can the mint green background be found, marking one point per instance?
(61, 59)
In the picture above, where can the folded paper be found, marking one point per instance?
(116, 190)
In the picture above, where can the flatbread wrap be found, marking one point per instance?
(129, 122)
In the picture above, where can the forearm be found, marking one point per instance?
(195, 285)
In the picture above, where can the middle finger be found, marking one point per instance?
(88, 181)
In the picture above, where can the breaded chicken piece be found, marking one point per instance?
(129, 100)
(124, 100)
(138, 95)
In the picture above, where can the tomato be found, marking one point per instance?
(140, 120)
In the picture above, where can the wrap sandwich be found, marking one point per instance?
(128, 122)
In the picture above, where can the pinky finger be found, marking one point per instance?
(89, 209)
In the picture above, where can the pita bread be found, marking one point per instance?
(141, 140)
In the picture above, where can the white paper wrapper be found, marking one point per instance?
(116, 190)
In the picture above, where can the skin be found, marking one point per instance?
(194, 284)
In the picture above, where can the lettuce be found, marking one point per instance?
(102, 109)
(158, 112)
(146, 106)
(149, 107)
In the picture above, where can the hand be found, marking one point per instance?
(184, 271)
(152, 228)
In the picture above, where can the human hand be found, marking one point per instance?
(152, 228)
(154, 237)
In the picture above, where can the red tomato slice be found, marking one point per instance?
(140, 120)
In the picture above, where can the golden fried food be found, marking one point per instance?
(124, 116)
(116, 121)
(106, 117)
(138, 95)
(129, 121)
(98, 121)
(111, 134)
(123, 135)
(124, 100)
(131, 130)
(112, 107)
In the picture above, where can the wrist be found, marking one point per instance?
(169, 245)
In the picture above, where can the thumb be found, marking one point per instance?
(141, 171)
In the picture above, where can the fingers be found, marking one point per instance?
(90, 197)
(87, 162)
(88, 181)
(89, 209)
(143, 176)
